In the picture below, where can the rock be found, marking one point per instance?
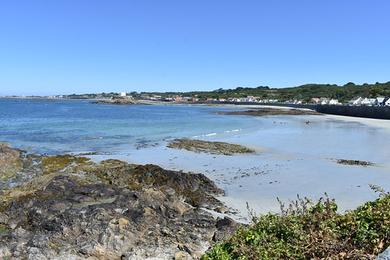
(119, 101)
(181, 255)
(71, 208)
(201, 146)
(123, 222)
(354, 162)
(221, 209)
(225, 228)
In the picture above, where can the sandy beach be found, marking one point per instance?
(292, 158)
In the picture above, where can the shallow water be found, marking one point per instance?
(292, 157)
(47, 126)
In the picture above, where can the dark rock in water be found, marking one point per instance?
(118, 101)
(354, 162)
(202, 146)
(71, 208)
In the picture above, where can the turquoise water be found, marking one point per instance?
(59, 126)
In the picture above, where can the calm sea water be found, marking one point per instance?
(51, 127)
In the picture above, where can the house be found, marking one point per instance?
(123, 94)
(324, 101)
(334, 102)
(316, 100)
(178, 99)
(365, 102)
(356, 102)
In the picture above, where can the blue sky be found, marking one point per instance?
(73, 46)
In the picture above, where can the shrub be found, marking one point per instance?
(306, 230)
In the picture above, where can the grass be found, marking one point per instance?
(306, 230)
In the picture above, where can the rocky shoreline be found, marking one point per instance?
(70, 207)
(119, 101)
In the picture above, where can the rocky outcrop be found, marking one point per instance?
(354, 162)
(201, 146)
(118, 101)
(73, 208)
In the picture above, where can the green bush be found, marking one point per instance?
(306, 230)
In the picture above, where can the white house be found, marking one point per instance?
(123, 94)
(334, 102)
(325, 101)
(356, 102)
(367, 102)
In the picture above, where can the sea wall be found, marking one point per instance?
(355, 111)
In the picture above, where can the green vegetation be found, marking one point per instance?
(304, 92)
(57, 163)
(4, 229)
(305, 230)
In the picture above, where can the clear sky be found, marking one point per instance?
(67, 46)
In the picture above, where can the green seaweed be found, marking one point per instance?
(58, 163)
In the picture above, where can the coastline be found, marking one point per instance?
(279, 169)
(284, 161)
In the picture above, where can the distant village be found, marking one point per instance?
(359, 101)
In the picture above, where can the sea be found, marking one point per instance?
(74, 126)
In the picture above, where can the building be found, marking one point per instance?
(123, 94)
(325, 101)
(316, 100)
(368, 102)
(356, 102)
(178, 99)
(334, 102)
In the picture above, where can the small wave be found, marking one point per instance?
(204, 135)
(234, 130)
